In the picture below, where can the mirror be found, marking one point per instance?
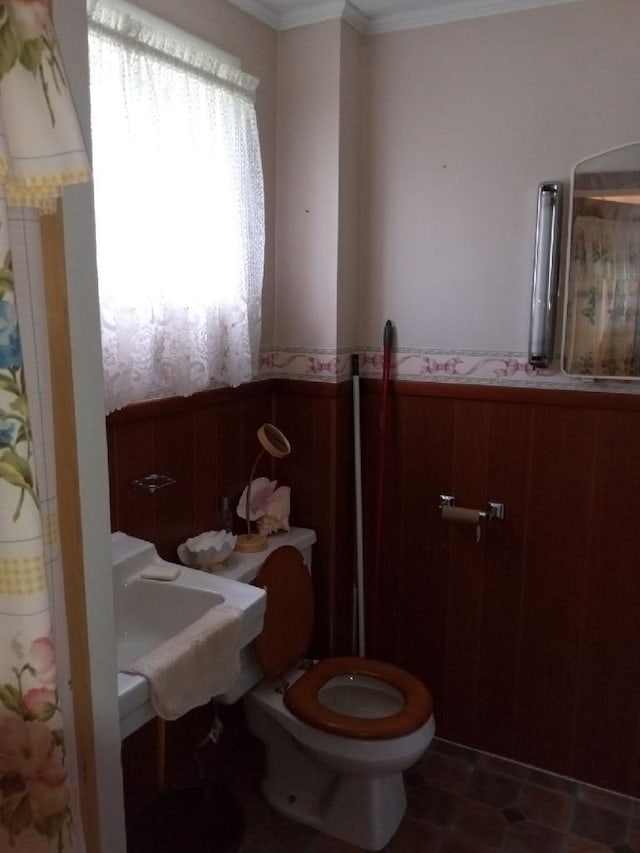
(601, 335)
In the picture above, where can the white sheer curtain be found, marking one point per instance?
(179, 213)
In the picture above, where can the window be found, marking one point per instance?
(179, 211)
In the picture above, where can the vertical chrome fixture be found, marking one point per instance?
(546, 264)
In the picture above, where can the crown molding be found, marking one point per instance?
(324, 10)
(259, 11)
(311, 13)
(439, 12)
(447, 11)
(352, 15)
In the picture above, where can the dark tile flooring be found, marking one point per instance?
(463, 801)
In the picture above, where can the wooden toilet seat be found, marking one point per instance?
(302, 699)
(285, 639)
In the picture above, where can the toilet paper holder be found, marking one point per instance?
(493, 512)
(463, 515)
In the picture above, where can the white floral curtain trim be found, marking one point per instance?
(40, 150)
(42, 194)
(41, 147)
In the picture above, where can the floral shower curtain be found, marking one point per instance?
(603, 317)
(41, 150)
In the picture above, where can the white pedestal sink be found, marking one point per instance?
(149, 612)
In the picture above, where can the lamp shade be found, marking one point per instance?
(274, 442)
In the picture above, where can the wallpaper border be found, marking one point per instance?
(429, 365)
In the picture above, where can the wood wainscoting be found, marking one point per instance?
(530, 639)
(207, 443)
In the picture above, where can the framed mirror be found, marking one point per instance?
(601, 331)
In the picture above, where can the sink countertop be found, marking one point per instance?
(134, 701)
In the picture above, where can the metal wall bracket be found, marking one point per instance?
(150, 483)
(494, 512)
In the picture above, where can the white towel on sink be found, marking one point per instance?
(190, 668)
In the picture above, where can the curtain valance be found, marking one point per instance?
(133, 34)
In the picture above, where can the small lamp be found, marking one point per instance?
(276, 444)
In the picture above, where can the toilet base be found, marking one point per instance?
(363, 810)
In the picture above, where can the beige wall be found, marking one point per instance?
(401, 170)
(464, 120)
(308, 185)
(352, 90)
(320, 95)
(424, 211)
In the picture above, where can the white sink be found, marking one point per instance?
(148, 612)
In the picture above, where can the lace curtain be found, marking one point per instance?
(603, 316)
(179, 213)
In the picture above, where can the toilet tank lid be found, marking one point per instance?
(244, 567)
(300, 537)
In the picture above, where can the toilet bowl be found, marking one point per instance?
(339, 732)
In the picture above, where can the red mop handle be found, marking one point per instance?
(387, 342)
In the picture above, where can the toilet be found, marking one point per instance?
(339, 732)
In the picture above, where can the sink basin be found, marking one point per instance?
(149, 611)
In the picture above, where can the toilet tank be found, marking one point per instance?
(244, 568)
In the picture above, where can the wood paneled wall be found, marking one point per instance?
(208, 443)
(317, 418)
(529, 640)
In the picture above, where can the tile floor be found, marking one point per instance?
(463, 801)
